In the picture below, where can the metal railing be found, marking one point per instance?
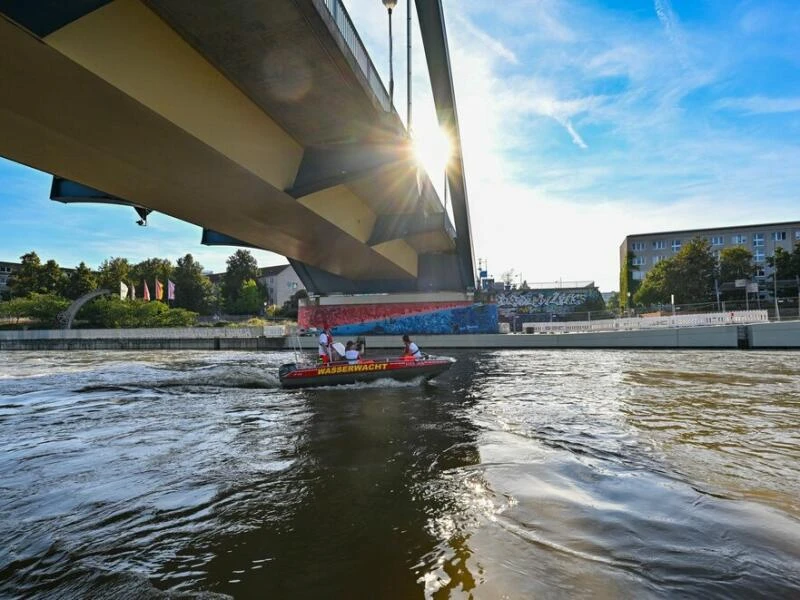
(146, 333)
(639, 323)
(344, 24)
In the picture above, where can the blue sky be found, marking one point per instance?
(582, 122)
(92, 233)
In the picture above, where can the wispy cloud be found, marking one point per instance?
(760, 105)
(652, 158)
(488, 42)
(670, 22)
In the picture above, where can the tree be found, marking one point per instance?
(242, 267)
(787, 263)
(658, 284)
(697, 269)
(613, 302)
(149, 271)
(290, 307)
(16, 308)
(735, 263)
(689, 276)
(216, 302)
(45, 307)
(80, 281)
(249, 300)
(193, 290)
(627, 284)
(113, 272)
(26, 280)
(51, 278)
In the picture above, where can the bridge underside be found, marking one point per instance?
(248, 119)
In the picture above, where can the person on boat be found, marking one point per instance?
(412, 351)
(351, 354)
(325, 341)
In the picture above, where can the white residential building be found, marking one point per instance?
(281, 283)
(649, 249)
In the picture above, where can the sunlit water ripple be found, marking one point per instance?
(574, 474)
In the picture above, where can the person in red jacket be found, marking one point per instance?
(325, 342)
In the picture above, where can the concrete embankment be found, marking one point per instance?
(177, 338)
(760, 336)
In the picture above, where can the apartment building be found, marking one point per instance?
(281, 283)
(6, 269)
(649, 249)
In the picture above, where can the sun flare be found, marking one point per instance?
(432, 149)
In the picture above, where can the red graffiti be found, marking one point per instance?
(344, 314)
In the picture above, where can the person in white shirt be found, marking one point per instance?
(351, 355)
(325, 341)
(411, 350)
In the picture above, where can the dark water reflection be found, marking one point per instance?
(518, 474)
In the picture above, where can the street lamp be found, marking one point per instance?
(775, 275)
(390, 4)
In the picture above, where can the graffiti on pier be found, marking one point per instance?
(545, 301)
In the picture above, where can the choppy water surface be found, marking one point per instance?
(566, 474)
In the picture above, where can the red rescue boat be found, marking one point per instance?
(293, 375)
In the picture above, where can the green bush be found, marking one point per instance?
(177, 317)
(111, 312)
(43, 308)
(13, 309)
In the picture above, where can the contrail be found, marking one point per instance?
(667, 17)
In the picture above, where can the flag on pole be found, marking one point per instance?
(170, 290)
(146, 292)
(159, 290)
(123, 291)
(133, 292)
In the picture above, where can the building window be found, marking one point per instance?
(758, 255)
(739, 239)
(717, 240)
(778, 236)
(637, 275)
(659, 245)
(3, 279)
(797, 235)
(636, 246)
(676, 245)
(637, 261)
(658, 259)
(758, 240)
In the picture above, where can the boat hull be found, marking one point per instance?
(294, 376)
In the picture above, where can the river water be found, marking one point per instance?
(517, 474)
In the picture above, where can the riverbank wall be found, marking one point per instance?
(784, 335)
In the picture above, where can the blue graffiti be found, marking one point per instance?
(478, 318)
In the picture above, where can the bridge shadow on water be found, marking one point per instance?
(358, 513)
